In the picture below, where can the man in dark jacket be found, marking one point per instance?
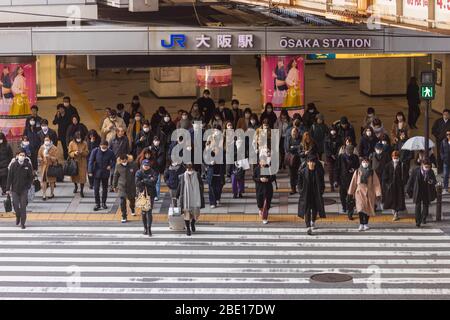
(332, 145)
(124, 183)
(412, 95)
(144, 138)
(20, 177)
(236, 112)
(63, 120)
(6, 154)
(158, 155)
(311, 186)
(445, 158)
(34, 115)
(439, 130)
(379, 159)
(100, 163)
(347, 163)
(421, 187)
(119, 145)
(46, 131)
(226, 113)
(393, 186)
(122, 113)
(206, 105)
(172, 180)
(70, 109)
(146, 179)
(345, 129)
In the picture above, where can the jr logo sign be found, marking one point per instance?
(175, 39)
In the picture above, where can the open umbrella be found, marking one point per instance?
(417, 143)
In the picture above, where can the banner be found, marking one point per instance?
(214, 77)
(17, 95)
(283, 80)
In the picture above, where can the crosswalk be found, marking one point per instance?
(106, 261)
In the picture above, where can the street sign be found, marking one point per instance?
(427, 92)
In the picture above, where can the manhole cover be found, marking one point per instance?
(331, 277)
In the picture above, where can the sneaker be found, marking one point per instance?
(313, 226)
(97, 207)
(240, 195)
(213, 207)
(361, 227)
(234, 196)
(156, 199)
(309, 232)
(104, 206)
(133, 213)
(217, 203)
(396, 218)
(23, 227)
(124, 220)
(265, 221)
(366, 227)
(445, 191)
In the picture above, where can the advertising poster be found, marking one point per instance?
(211, 77)
(283, 82)
(415, 9)
(17, 95)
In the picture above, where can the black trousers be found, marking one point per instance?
(439, 162)
(123, 205)
(104, 184)
(363, 218)
(343, 193)
(413, 114)
(293, 176)
(147, 219)
(3, 180)
(421, 211)
(20, 201)
(310, 215)
(64, 147)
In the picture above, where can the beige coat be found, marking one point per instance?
(109, 128)
(365, 194)
(80, 159)
(46, 161)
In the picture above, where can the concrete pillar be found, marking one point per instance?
(383, 76)
(442, 99)
(46, 76)
(342, 68)
(173, 81)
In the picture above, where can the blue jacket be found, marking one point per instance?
(99, 161)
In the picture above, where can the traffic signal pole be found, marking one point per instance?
(427, 131)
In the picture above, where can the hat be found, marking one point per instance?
(311, 157)
(344, 120)
(379, 145)
(146, 162)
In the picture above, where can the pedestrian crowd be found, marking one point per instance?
(130, 154)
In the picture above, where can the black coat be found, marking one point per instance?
(51, 133)
(445, 152)
(272, 117)
(226, 114)
(120, 146)
(99, 161)
(332, 146)
(20, 176)
(207, 107)
(264, 190)
(393, 186)
(348, 132)
(413, 189)
(124, 179)
(379, 161)
(304, 180)
(6, 155)
(63, 123)
(147, 180)
(367, 146)
(125, 116)
(319, 132)
(440, 128)
(72, 129)
(148, 140)
(158, 155)
(345, 169)
(412, 94)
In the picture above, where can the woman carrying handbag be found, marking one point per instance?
(78, 151)
(146, 179)
(48, 157)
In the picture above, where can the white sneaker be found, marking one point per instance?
(218, 202)
(265, 222)
(361, 227)
(156, 199)
(366, 227)
(213, 207)
(133, 213)
(445, 191)
(313, 226)
(124, 220)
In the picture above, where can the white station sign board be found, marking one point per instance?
(442, 11)
(384, 7)
(415, 9)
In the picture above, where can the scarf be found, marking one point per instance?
(191, 192)
(365, 174)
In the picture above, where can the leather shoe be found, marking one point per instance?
(104, 206)
(97, 207)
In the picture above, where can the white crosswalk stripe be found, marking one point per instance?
(103, 261)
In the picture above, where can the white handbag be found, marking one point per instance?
(175, 211)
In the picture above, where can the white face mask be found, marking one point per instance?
(269, 110)
(229, 127)
(365, 165)
(166, 119)
(156, 143)
(384, 142)
(45, 129)
(190, 171)
(25, 143)
(32, 122)
(311, 110)
(333, 132)
(395, 160)
(252, 121)
(47, 143)
(66, 104)
(137, 119)
(124, 164)
(184, 117)
(78, 140)
(369, 133)
(426, 169)
(1, 141)
(146, 129)
(378, 151)
(21, 159)
(103, 149)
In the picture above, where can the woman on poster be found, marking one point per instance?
(20, 105)
(293, 97)
(5, 83)
(280, 87)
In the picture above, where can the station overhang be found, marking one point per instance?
(136, 40)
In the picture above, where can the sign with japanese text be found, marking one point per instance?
(384, 7)
(442, 11)
(416, 9)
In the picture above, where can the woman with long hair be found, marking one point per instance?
(398, 125)
(78, 150)
(48, 156)
(294, 94)
(307, 147)
(20, 105)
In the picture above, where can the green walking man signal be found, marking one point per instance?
(427, 92)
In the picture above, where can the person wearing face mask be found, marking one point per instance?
(157, 117)
(26, 146)
(136, 107)
(347, 164)
(32, 133)
(145, 180)
(393, 185)
(311, 186)
(264, 189)
(365, 188)
(244, 122)
(122, 113)
(78, 150)
(20, 177)
(225, 112)
(405, 155)
(34, 116)
(439, 130)
(236, 112)
(119, 145)
(48, 156)
(46, 131)
(332, 144)
(378, 129)
(269, 114)
(101, 161)
(215, 176)
(367, 122)
(253, 122)
(217, 120)
(398, 126)
(125, 184)
(379, 159)
(196, 114)
(190, 195)
(133, 130)
(75, 127)
(206, 105)
(421, 187)
(93, 141)
(310, 115)
(283, 122)
(144, 138)
(6, 154)
(110, 126)
(345, 129)
(164, 131)
(70, 109)
(367, 143)
(159, 163)
(63, 122)
(307, 147)
(445, 157)
(172, 180)
(262, 136)
(185, 122)
(319, 130)
(293, 158)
